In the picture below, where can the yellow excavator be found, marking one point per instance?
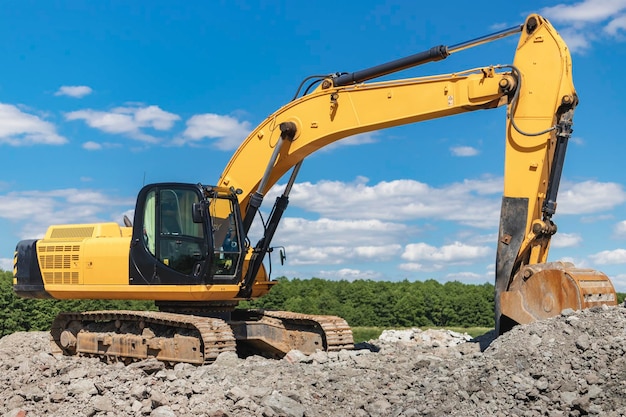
(188, 246)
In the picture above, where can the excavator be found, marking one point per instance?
(188, 246)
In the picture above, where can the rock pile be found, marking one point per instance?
(434, 338)
(571, 365)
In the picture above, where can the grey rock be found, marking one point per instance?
(77, 373)
(102, 404)
(570, 365)
(227, 359)
(136, 406)
(139, 392)
(33, 393)
(594, 391)
(236, 394)
(319, 357)
(583, 342)
(534, 340)
(163, 411)
(296, 356)
(158, 399)
(568, 397)
(82, 387)
(15, 402)
(149, 366)
(283, 405)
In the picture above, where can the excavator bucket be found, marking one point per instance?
(541, 291)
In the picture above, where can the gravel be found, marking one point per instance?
(571, 365)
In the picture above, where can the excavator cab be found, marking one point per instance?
(186, 234)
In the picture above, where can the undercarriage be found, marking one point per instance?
(128, 336)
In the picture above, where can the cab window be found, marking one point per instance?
(227, 247)
(180, 243)
(149, 223)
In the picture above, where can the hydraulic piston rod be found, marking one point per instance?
(287, 132)
(436, 53)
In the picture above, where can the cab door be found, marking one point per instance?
(167, 246)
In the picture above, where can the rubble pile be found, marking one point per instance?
(571, 365)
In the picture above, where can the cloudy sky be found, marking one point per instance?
(99, 98)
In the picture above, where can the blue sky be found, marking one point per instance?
(99, 98)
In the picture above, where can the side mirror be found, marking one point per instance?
(197, 212)
(283, 256)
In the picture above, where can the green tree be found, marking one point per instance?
(361, 303)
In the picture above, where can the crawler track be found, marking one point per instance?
(336, 332)
(135, 335)
(127, 336)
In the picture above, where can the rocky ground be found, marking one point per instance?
(571, 365)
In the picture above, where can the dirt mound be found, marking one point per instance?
(571, 365)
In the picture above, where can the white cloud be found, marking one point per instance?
(349, 274)
(609, 257)
(329, 232)
(227, 131)
(151, 116)
(471, 202)
(590, 197)
(576, 40)
(76, 91)
(129, 121)
(92, 146)
(585, 21)
(616, 25)
(464, 151)
(586, 11)
(423, 257)
(620, 229)
(96, 146)
(470, 277)
(20, 128)
(335, 242)
(454, 253)
(565, 240)
(619, 282)
(336, 255)
(34, 211)
(366, 223)
(417, 267)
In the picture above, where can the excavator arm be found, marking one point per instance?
(539, 92)
(539, 125)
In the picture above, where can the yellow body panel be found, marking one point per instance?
(144, 292)
(84, 261)
(82, 254)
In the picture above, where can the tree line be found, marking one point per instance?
(361, 303)
(384, 303)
